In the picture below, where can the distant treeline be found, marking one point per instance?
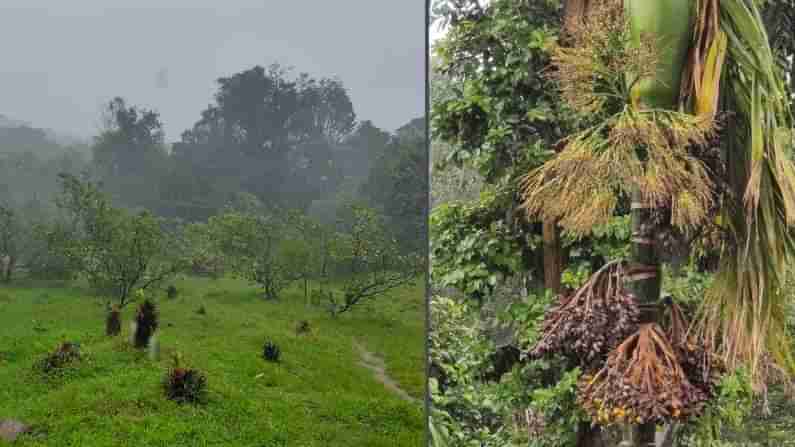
(292, 141)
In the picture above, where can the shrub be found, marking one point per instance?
(184, 385)
(117, 251)
(56, 361)
(146, 323)
(271, 352)
(113, 322)
(201, 310)
(49, 258)
(251, 247)
(171, 292)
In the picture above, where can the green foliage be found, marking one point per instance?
(283, 150)
(689, 286)
(469, 410)
(527, 315)
(779, 18)
(470, 254)
(502, 114)
(303, 249)
(130, 148)
(466, 410)
(370, 261)
(117, 252)
(10, 230)
(557, 406)
(730, 409)
(250, 245)
(575, 276)
(19, 239)
(608, 241)
(398, 185)
(50, 258)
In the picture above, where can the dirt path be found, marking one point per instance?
(376, 365)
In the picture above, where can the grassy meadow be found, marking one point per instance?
(317, 395)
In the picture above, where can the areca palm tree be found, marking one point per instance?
(659, 82)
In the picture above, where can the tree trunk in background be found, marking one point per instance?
(9, 269)
(573, 13)
(553, 256)
(645, 284)
(588, 436)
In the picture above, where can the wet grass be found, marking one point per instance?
(317, 395)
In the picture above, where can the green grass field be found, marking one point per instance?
(318, 395)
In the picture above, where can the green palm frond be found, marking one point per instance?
(744, 314)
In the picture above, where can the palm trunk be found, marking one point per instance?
(670, 23)
(645, 285)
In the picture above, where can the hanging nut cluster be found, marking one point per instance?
(702, 368)
(587, 324)
(641, 381)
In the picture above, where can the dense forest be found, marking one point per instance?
(592, 267)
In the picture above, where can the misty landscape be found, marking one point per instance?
(248, 271)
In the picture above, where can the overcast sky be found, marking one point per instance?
(61, 61)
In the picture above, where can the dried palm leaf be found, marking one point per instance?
(744, 313)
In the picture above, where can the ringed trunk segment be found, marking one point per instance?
(645, 284)
(669, 26)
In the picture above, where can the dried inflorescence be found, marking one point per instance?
(627, 145)
(588, 323)
(65, 354)
(595, 70)
(271, 352)
(647, 150)
(113, 322)
(701, 366)
(184, 385)
(146, 323)
(642, 381)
